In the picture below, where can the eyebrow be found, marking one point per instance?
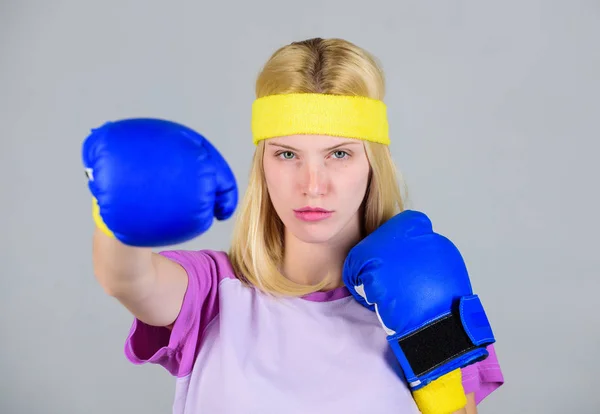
(327, 149)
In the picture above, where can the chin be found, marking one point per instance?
(313, 238)
(315, 233)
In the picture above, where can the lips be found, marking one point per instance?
(312, 210)
(312, 214)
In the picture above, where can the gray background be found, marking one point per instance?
(494, 111)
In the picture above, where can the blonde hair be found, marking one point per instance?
(332, 66)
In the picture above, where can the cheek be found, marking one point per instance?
(277, 182)
(353, 180)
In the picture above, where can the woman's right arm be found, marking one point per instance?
(154, 183)
(149, 285)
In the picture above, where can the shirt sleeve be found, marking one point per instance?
(483, 377)
(176, 349)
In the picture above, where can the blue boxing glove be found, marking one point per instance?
(417, 283)
(155, 182)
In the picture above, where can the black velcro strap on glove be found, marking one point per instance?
(447, 338)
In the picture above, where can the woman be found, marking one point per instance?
(269, 327)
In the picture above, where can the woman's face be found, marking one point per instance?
(317, 184)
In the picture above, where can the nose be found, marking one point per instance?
(314, 181)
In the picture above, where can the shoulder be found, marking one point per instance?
(214, 264)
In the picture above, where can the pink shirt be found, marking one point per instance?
(234, 349)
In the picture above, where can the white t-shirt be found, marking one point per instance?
(234, 349)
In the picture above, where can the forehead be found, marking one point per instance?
(313, 141)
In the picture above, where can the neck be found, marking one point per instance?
(311, 263)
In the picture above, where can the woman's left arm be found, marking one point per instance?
(471, 407)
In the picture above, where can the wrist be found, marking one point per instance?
(98, 219)
(451, 341)
(444, 395)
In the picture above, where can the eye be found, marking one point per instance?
(288, 155)
(340, 154)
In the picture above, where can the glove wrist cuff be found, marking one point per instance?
(451, 341)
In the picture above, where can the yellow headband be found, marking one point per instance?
(319, 114)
